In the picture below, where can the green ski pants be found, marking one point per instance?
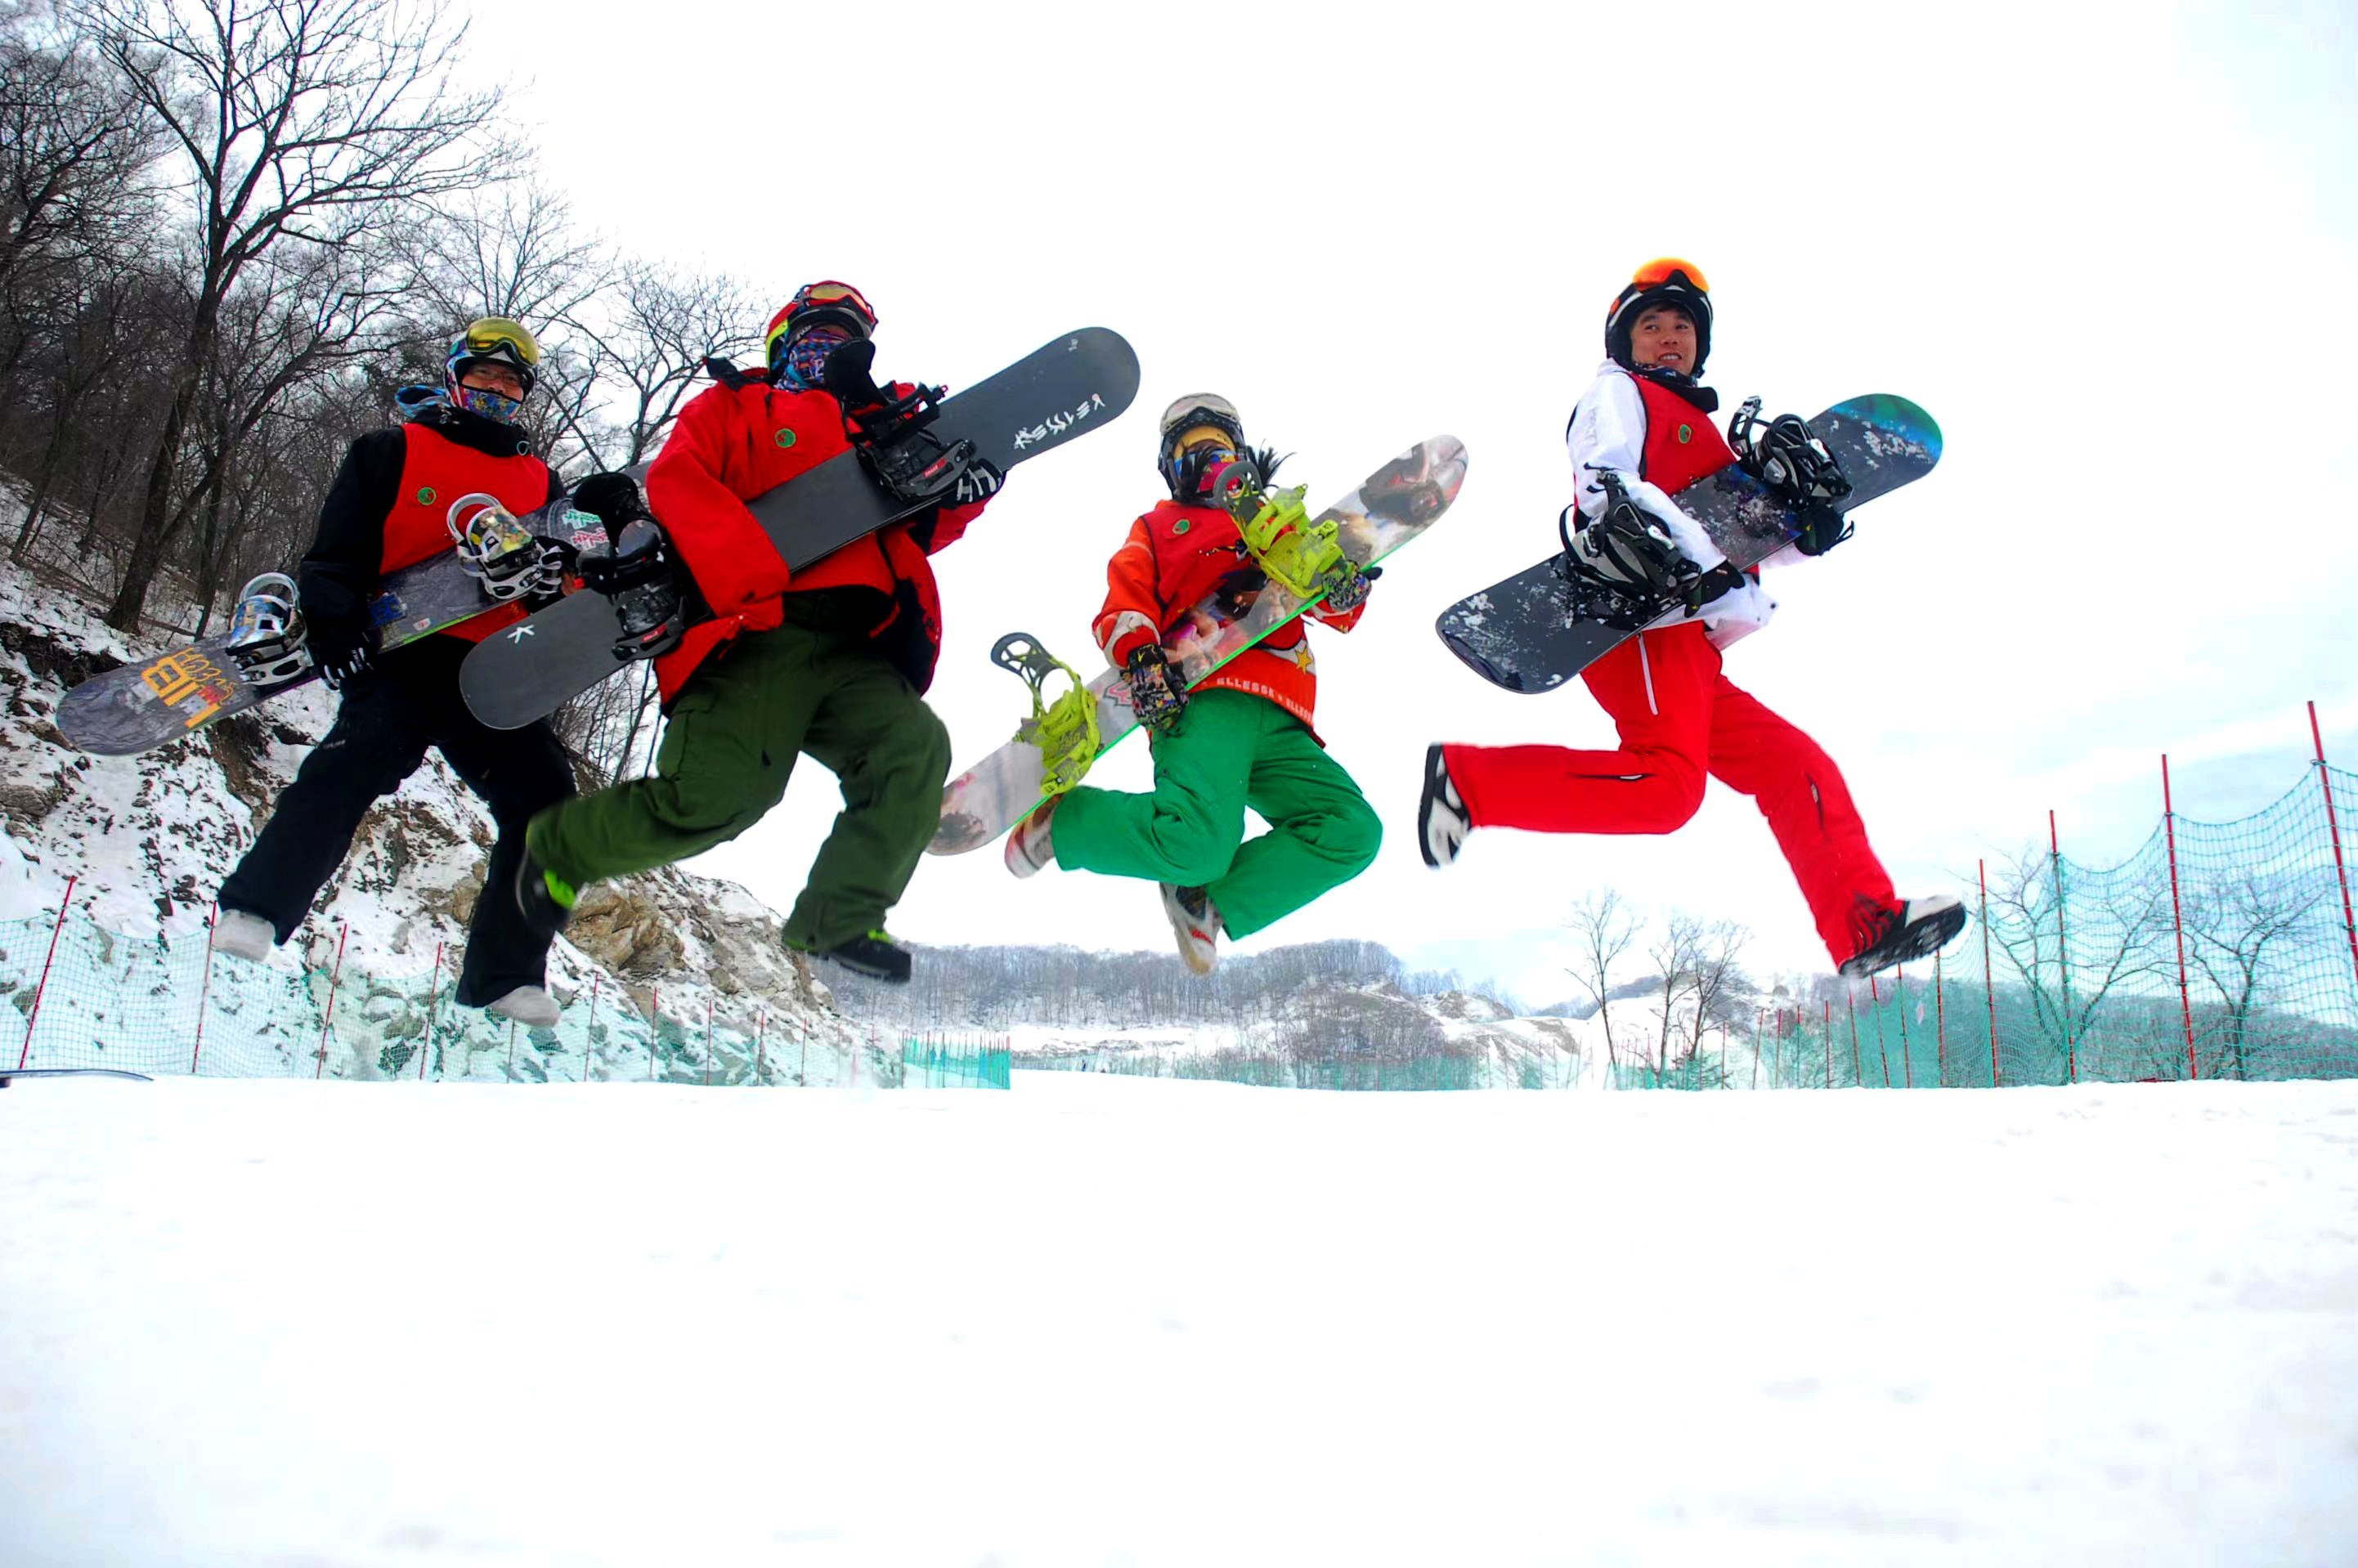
(1230, 752)
(728, 748)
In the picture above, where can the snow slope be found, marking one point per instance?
(1110, 1321)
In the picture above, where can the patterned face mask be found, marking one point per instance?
(802, 361)
(489, 405)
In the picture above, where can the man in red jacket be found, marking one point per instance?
(829, 662)
(386, 510)
(1240, 739)
(1641, 432)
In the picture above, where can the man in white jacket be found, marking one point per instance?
(1639, 434)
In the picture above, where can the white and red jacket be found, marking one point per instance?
(1659, 443)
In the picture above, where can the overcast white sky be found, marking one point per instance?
(2111, 248)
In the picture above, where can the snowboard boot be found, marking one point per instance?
(1029, 847)
(242, 936)
(1442, 822)
(875, 954)
(1195, 924)
(528, 1005)
(1917, 929)
(546, 899)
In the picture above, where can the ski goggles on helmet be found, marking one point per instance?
(497, 338)
(828, 299)
(1668, 269)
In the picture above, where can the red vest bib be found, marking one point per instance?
(437, 470)
(1681, 444)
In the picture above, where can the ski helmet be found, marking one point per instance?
(1668, 281)
(1198, 411)
(824, 303)
(497, 339)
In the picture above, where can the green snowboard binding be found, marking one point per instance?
(1066, 730)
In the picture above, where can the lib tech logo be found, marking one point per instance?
(1055, 424)
(184, 676)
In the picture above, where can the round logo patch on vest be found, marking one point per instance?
(1181, 526)
(786, 439)
(1686, 434)
(426, 497)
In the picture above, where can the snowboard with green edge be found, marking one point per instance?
(1390, 506)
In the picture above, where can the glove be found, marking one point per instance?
(344, 652)
(1154, 697)
(1822, 528)
(1352, 591)
(614, 499)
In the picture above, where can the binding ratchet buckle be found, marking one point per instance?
(499, 552)
(1306, 557)
(1066, 730)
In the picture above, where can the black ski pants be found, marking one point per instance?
(379, 738)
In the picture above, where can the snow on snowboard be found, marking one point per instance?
(1392, 506)
(1538, 628)
(1065, 389)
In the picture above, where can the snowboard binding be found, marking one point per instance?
(268, 641)
(1623, 567)
(1788, 458)
(498, 551)
(1066, 730)
(637, 573)
(1306, 557)
(913, 464)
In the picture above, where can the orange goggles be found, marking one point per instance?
(816, 295)
(1668, 269)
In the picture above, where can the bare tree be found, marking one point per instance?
(2237, 933)
(1675, 951)
(2071, 956)
(1717, 983)
(642, 349)
(71, 145)
(1603, 928)
(301, 124)
(510, 252)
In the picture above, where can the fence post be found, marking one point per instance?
(589, 1034)
(433, 1011)
(654, 1028)
(2176, 917)
(761, 1045)
(512, 1024)
(1939, 1021)
(1899, 1002)
(707, 1040)
(1829, 1022)
(802, 1071)
(1989, 981)
(1875, 995)
(64, 904)
(2062, 951)
(1756, 1052)
(335, 978)
(205, 991)
(2333, 831)
(1858, 1064)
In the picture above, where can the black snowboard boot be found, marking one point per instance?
(875, 954)
(1915, 930)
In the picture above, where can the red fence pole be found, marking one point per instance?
(433, 1011)
(64, 905)
(1900, 1001)
(708, 1041)
(1857, 1065)
(1939, 1021)
(1755, 1051)
(512, 1024)
(1829, 1022)
(2062, 951)
(760, 1047)
(204, 993)
(2333, 831)
(1875, 995)
(2177, 916)
(335, 978)
(654, 1027)
(1989, 982)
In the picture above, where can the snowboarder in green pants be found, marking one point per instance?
(1240, 739)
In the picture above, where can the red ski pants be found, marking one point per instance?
(1678, 717)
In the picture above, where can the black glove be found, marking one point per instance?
(614, 499)
(1154, 697)
(638, 573)
(1352, 591)
(343, 651)
(1822, 528)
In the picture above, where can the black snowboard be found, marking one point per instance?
(1536, 629)
(1071, 386)
(195, 685)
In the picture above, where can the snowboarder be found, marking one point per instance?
(1241, 739)
(386, 510)
(757, 663)
(1637, 435)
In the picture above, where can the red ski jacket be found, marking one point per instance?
(1175, 556)
(739, 439)
(436, 471)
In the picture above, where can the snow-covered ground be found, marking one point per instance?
(1104, 1320)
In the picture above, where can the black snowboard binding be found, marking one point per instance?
(1786, 455)
(909, 460)
(1624, 568)
(267, 640)
(635, 567)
